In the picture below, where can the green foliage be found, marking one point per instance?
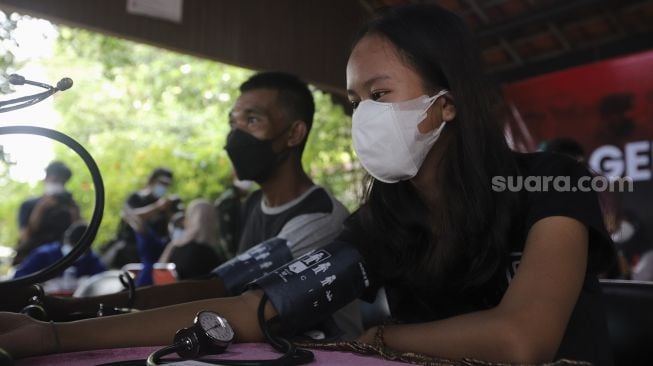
(136, 107)
(12, 192)
(329, 156)
(7, 63)
(8, 45)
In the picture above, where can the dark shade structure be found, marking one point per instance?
(519, 38)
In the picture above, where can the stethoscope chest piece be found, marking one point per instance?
(209, 334)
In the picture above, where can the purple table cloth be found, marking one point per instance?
(241, 351)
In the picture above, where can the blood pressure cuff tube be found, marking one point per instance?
(312, 287)
(254, 263)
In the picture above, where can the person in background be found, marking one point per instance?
(195, 252)
(86, 265)
(45, 219)
(176, 225)
(150, 240)
(151, 204)
(229, 211)
(632, 241)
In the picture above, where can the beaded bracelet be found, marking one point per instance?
(379, 341)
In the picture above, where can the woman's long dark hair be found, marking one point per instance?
(463, 242)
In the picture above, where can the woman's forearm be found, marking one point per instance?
(145, 298)
(178, 292)
(480, 335)
(158, 326)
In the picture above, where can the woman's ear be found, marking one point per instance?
(298, 133)
(448, 109)
(443, 110)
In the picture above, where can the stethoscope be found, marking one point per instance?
(96, 218)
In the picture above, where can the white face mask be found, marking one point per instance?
(66, 248)
(243, 185)
(177, 233)
(53, 188)
(387, 140)
(159, 190)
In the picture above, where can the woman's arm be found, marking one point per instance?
(145, 298)
(529, 323)
(22, 336)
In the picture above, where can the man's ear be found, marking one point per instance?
(448, 109)
(298, 133)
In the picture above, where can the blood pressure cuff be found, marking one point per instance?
(254, 263)
(312, 287)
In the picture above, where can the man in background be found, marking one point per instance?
(149, 206)
(86, 265)
(44, 219)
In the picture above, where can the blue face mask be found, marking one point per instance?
(159, 190)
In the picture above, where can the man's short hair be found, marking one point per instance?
(295, 97)
(58, 169)
(74, 232)
(159, 172)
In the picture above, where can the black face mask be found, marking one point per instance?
(253, 159)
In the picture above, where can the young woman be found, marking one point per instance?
(477, 269)
(471, 268)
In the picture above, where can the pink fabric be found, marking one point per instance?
(242, 351)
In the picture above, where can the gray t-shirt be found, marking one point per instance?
(308, 222)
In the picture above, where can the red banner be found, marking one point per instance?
(608, 102)
(607, 107)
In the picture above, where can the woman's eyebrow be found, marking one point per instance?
(374, 79)
(369, 82)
